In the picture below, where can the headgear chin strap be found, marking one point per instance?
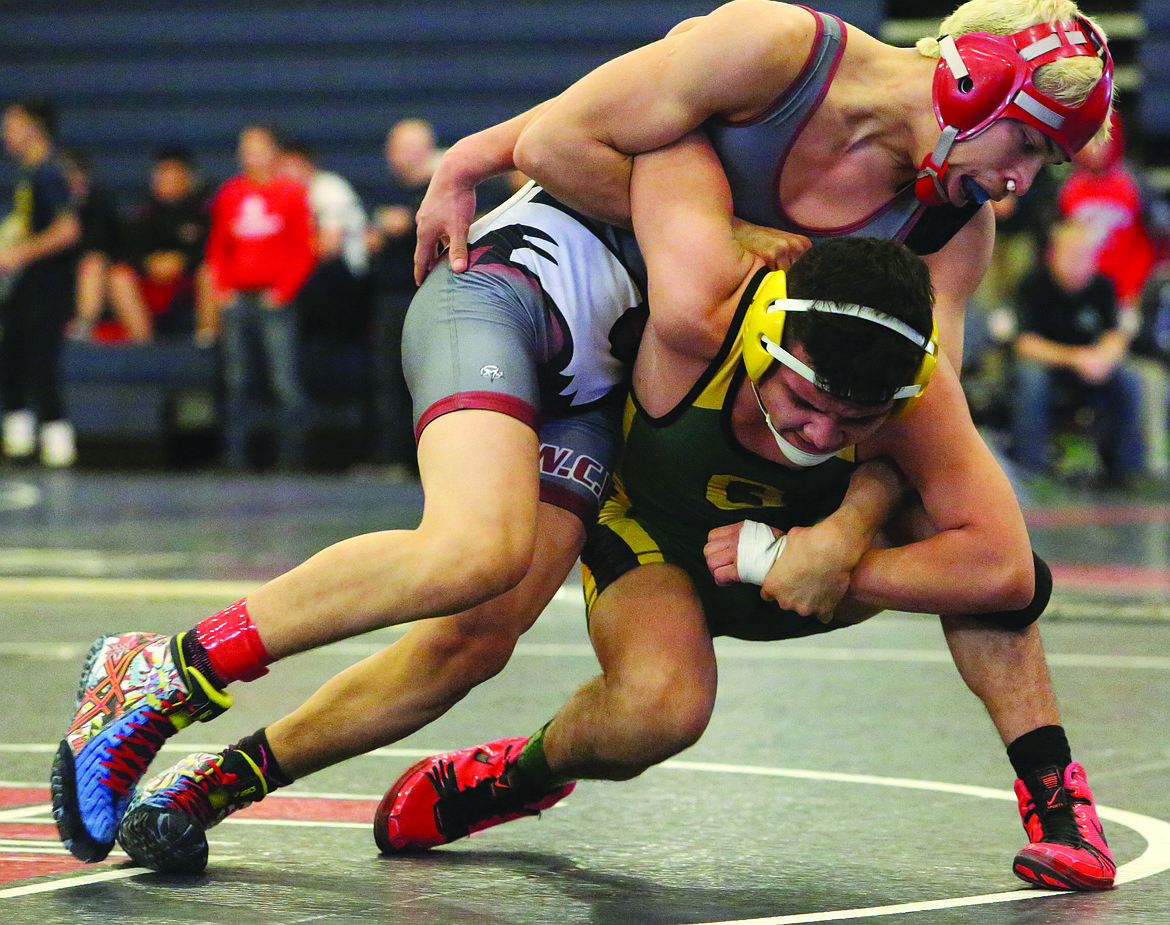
(793, 454)
(982, 77)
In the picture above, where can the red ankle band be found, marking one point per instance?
(233, 644)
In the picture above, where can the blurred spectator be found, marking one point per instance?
(158, 285)
(331, 303)
(1021, 224)
(1109, 193)
(989, 325)
(36, 293)
(259, 253)
(1106, 195)
(1070, 354)
(1153, 338)
(1151, 349)
(411, 156)
(101, 243)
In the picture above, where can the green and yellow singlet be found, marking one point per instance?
(685, 473)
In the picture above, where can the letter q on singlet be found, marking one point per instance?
(729, 493)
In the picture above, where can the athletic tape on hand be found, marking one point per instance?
(756, 551)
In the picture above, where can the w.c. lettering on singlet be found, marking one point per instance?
(729, 493)
(565, 463)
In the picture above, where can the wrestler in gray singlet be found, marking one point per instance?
(753, 153)
(533, 329)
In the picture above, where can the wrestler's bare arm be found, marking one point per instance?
(448, 207)
(695, 265)
(732, 62)
(956, 271)
(813, 574)
(979, 559)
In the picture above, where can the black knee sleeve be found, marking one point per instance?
(1025, 616)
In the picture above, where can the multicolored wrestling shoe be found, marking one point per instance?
(1063, 855)
(165, 827)
(135, 692)
(445, 797)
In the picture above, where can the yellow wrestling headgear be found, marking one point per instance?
(763, 334)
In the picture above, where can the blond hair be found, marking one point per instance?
(1067, 80)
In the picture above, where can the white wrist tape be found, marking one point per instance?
(756, 551)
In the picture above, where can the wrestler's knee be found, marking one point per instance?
(485, 559)
(663, 716)
(472, 653)
(1027, 615)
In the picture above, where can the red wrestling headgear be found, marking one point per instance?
(983, 77)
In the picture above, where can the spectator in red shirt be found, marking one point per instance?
(1104, 194)
(259, 252)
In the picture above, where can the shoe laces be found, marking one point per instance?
(128, 760)
(193, 792)
(1054, 806)
(458, 808)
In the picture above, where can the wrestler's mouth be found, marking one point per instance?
(803, 445)
(972, 191)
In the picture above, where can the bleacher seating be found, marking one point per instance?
(1154, 59)
(142, 72)
(335, 75)
(144, 403)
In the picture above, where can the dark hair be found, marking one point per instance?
(78, 159)
(179, 153)
(42, 111)
(854, 358)
(300, 149)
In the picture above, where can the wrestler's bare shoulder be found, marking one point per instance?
(764, 42)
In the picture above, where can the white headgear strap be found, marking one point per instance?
(843, 308)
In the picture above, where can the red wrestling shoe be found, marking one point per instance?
(1063, 855)
(445, 797)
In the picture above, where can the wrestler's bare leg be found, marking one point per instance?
(402, 688)
(1006, 669)
(475, 541)
(656, 691)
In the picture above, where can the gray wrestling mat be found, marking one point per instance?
(851, 776)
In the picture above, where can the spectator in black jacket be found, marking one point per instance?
(100, 245)
(158, 284)
(36, 296)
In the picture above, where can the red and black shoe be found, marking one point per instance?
(446, 797)
(1067, 848)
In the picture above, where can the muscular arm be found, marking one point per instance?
(815, 570)
(732, 62)
(956, 271)
(978, 558)
(695, 265)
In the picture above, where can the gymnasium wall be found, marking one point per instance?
(130, 75)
